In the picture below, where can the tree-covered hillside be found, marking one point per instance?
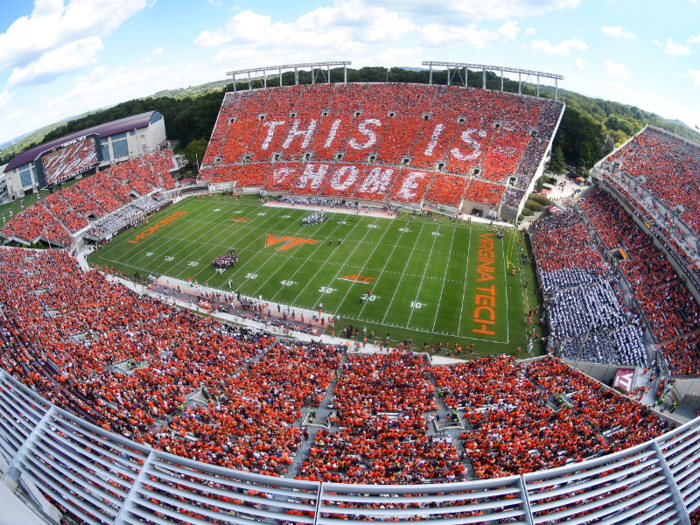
(586, 123)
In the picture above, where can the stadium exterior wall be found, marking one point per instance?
(104, 478)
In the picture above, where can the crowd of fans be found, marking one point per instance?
(379, 402)
(668, 167)
(450, 129)
(587, 316)
(67, 211)
(667, 305)
(234, 397)
(565, 254)
(516, 427)
(129, 215)
(70, 161)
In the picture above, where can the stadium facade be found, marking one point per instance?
(66, 157)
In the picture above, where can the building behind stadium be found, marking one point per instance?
(103, 145)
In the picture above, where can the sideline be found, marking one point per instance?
(330, 209)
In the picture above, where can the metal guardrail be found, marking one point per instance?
(102, 478)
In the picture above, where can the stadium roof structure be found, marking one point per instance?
(527, 72)
(295, 67)
(104, 130)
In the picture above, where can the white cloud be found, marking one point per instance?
(53, 25)
(693, 74)
(439, 35)
(217, 3)
(694, 39)
(348, 22)
(70, 57)
(157, 51)
(580, 63)
(617, 32)
(475, 10)
(509, 30)
(530, 31)
(563, 48)
(656, 42)
(675, 49)
(617, 71)
(5, 98)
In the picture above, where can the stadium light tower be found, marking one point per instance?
(295, 68)
(484, 68)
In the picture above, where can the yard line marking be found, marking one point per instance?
(183, 226)
(421, 330)
(464, 293)
(271, 256)
(144, 248)
(402, 274)
(241, 250)
(308, 259)
(363, 268)
(122, 238)
(357, 223)
(413, 308)
(200, 258)
(278, 253)
(383, 270)
(445, 279)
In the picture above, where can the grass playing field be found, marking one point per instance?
(429, 280)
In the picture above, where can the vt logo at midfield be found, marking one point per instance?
(291, 241)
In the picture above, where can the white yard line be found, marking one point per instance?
(153, 248)
(402, 274)
(445, 279)
(321, 243)
(242, 250)
(466, 272)
(346, 260)
(413, 308)
(276, 254)
(383, 270)
(422, 330)
(363, 268)
(209, 251)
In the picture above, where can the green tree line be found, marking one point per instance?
(581, 136)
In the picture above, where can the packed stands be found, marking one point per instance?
(380, 400)
(564, 252)
(517, 426)
(231, 396)
(587, 316)
(465, 134)
(667, 305)
(668, 167)
(70, 161)
(67, 211)
(127, 215)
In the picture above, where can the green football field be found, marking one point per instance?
(428, 280)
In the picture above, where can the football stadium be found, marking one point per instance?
(346, 306)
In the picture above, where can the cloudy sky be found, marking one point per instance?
(59, 58)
